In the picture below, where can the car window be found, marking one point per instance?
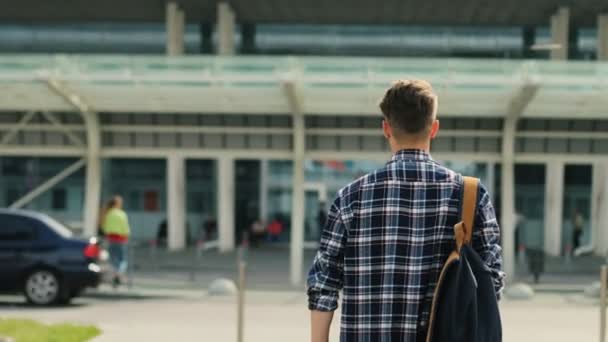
(17, 228)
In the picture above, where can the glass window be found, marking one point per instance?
(151, 201)
(59, 200)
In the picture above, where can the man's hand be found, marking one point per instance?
(320, 321)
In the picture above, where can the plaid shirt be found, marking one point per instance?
(385, 241)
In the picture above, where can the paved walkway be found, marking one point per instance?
(281, 316)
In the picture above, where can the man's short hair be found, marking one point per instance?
(409, 107)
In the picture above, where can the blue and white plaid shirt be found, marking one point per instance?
(385, 241)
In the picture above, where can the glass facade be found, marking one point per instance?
(20, 175)
(577, 203)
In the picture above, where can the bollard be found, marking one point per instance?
(153, 246)
(568, 255)
(242, 265)
(521, 255)
(130, 265)
(198, 255)
(241, 302)
(603, 285)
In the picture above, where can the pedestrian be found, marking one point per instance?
(275, 228)
(578, 222)
(389, 233)
(257, 232)
(116, 230)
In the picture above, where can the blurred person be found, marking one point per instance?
(389, 233)
(578, 223)
(257, 232)
(275, 229)
(116, 230)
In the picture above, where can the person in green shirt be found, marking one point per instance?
(115, 226)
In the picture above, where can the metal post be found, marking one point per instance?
(131, 264)
(242, 266)
(603, 283)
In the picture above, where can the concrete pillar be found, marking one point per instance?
(175, 23)
(225, 200)
(560, 31)
(554, 198)
(602, 37)
(176, 202)
(264, 190)
(507, 185)
(491, 179)
(225, 29)
(92, 200)
(599, 207)
(298, 200)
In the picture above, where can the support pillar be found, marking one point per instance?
(225, 29)
(507, 209)
(298, 196)
(491, 179)
(560, 32)
(176, 203)
(264, 190)
(517, 106)
(225, 200)
(554, 198)
(298, 200)
(602, 37)
(175, 23)
(92, 199)
(599, 207)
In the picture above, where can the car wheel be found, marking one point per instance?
(42, 287)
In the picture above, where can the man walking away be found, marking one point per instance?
(389, 233)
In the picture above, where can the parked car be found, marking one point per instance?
(41, 258)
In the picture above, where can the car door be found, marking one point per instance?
(17, 236)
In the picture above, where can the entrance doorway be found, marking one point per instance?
(315, 213)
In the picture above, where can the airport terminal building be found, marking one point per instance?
(203, 111)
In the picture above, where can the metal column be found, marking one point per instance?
(225, 200)
(176, 202)
(602, 37)
(263, 215)
(554, 198)
(560, 29)
(599, 207)
(225, 29)
(175, 22)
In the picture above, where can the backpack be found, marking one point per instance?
(465, 307)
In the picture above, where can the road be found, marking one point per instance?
(153, 315)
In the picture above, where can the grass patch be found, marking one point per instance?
(23, 330)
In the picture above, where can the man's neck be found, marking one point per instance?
(396, 147)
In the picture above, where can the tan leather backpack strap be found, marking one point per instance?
(469, 206)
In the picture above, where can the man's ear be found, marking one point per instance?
(434, 129)
(386, 128)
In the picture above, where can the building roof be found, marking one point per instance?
(407, 12)
(324, 85)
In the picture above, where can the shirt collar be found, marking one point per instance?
(412, 154)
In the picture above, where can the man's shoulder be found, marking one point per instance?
(442, 174)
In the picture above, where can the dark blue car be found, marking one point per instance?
(40, 258)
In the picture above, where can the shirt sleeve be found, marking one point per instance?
(486, 239)
(325, 279)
